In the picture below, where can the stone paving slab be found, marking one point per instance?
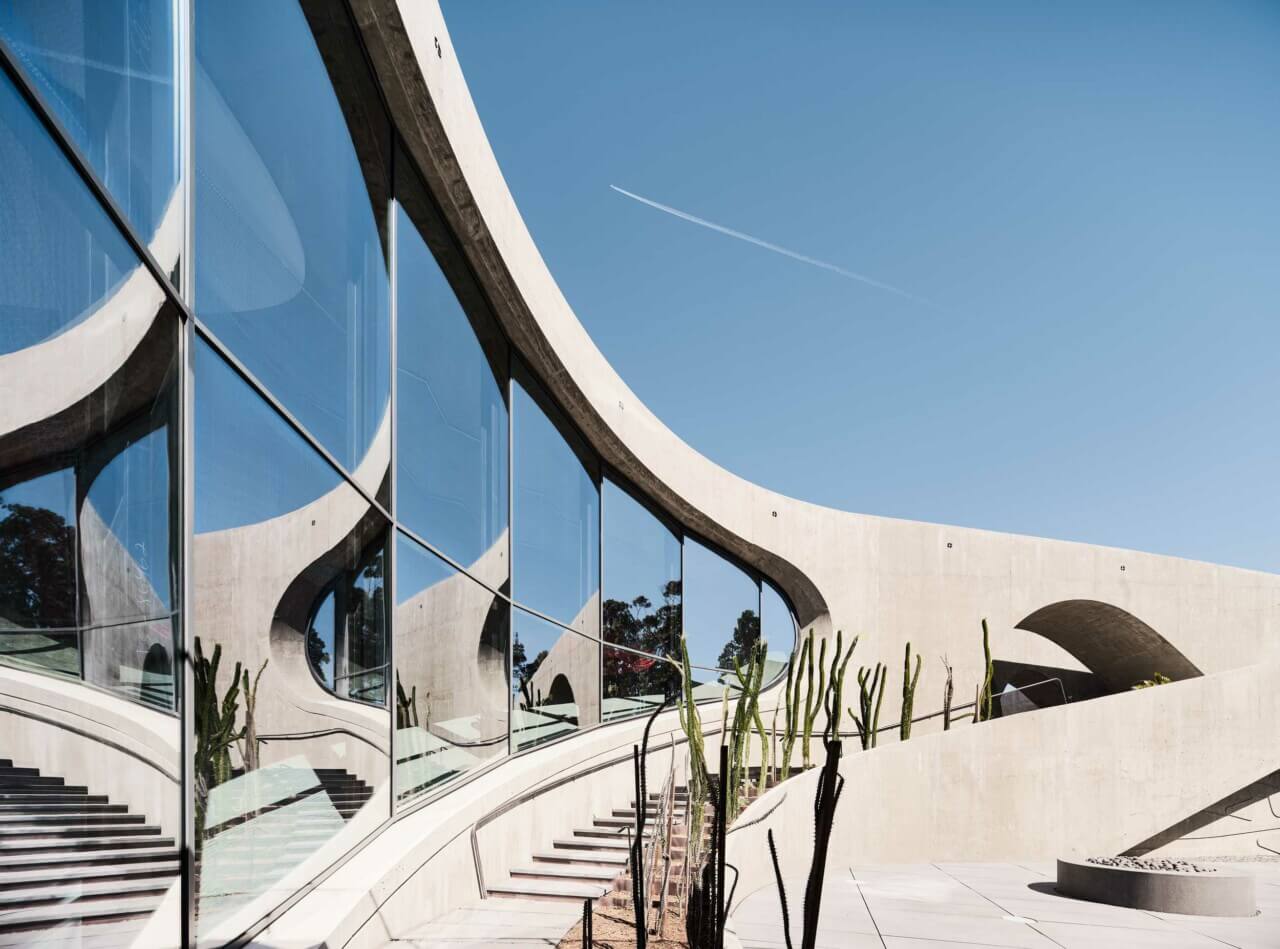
(511, 924)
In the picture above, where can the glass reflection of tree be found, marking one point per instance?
(524, 670)
(639, 625)
(366, 625)
(37, 552)
(746, 633)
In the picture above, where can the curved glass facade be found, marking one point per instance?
(323, 477)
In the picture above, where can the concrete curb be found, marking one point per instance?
(1161, 891)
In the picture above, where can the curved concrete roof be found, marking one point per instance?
(1112, 643)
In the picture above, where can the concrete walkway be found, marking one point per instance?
(951, 905)
(512, 924)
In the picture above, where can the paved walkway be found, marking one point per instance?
(953, 906)
(511, 924)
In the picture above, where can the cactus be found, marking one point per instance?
(249, 746)
(699, 779)
(948, 692)
(871, 695)
(746, 714)
(215, 728)
(406, 705)
(984, 695)
(791, 723)
(813, 700)
(835, 684)
(908, 694)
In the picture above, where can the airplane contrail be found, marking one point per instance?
(803, 258)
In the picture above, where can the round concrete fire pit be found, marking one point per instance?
(1159, 885)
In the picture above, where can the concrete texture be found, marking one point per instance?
(918, 906)
(1216, 893)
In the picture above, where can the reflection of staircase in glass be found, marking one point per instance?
(69, 859)
(264, 824)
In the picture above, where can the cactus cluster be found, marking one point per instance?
(215, 727)
(909, 681)
(813, 699)
(871, 696)
(745, 716)
(691, 723)
(249, 744)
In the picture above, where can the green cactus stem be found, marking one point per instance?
(813, 699)
(791, 710)
(870, 698)
(909, 681)
(215, 728)
(835, 685)
(988, 678)
(948, 692)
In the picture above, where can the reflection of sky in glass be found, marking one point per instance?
(417, 570)
(777, 626)
(105, 67)
(249, 464)
(292, 275)
(641, 556)
(67, 257)
(556, 531)
(452, 425)
(716, 593)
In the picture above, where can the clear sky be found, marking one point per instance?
(1080, 202)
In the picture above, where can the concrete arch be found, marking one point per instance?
(1111, 642)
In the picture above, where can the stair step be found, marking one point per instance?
(78, 806)
(87, 858)
(61, 913)
(590, 843)
(569, 871)
(8, 770)
(549, 890)
(13, 833)
(75, 890)
(611, 832)
(50, 797)
(31, 781)
(568, 855)
(109, 934)
(82, 845)
(53, 876)
(68, 819)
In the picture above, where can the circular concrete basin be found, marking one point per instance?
(1215, 893)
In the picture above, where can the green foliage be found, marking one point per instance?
(215, 727)
(984, 702)
(908, 694)
(1151, 683)
(746, 633)
(870, 698)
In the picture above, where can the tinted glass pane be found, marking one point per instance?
(721, 608)
(556, 517)
(289, 231)
(641, 576)
(778, 626)
(88, 484)
(555, 681)
(451, 671)
(62, 262)
(451, 452)
(635, 684)
(280, 540)
(106, 69)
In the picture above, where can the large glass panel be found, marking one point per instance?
(641, 577)
(451, 448)
(451, 671)
(778, 627)
(290, 216)
(635, 684)
(281, 541)
(721, 608)
(555, 681)
(556, 515)
(88, 489)
(61, 259)
(106, 68)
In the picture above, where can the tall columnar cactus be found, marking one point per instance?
(249, 747)
(871, 696)
(746, 714)
(948, 692)
(699, 778)
(909, 681)
(988, 678)
(835, 685)
(813, 699)
(215, 728)
(791, 723)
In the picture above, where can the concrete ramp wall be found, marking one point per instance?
(1096, 777)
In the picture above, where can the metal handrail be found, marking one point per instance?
(665, 805)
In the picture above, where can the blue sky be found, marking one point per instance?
(1086, 194)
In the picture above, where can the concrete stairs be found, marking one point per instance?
(589, 863)
(74, 867)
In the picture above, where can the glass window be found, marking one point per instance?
(451, 671)
(555, 681)
(635, 684)
(284, 548)
(290, 207)
(63, 264)
(778, 626)
(451, 448)
(641, 577)
(106, 69)
(88, 485)
(721, 608)
(556, 515)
